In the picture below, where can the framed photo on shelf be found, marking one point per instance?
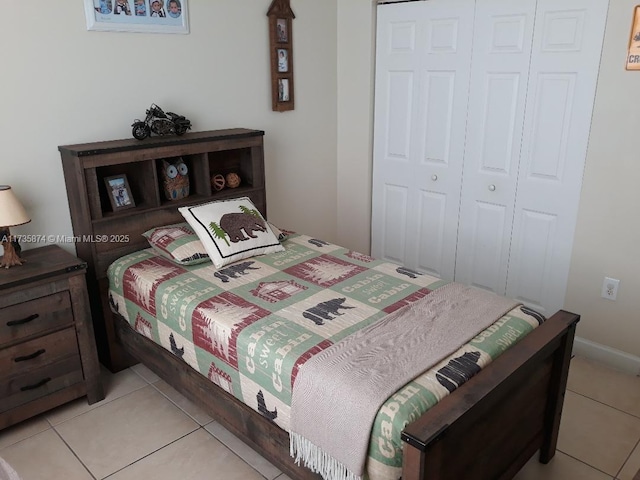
(119, 192)
(281, 47)
(151, 16)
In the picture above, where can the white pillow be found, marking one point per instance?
(231, 230)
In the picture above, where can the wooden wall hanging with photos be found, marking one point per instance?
(633, 55)
(281, 44)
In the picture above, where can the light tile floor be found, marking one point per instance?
(144, 429)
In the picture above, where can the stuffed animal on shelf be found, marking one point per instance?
(233, 180)
(218, 182)
(175, 177)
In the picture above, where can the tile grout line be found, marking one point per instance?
(605, 404)
(53, 427)
(627, 459)
(29, 436)
(182, 437)
(213, 420)
(617, 410)
(92, 408)
(228, 447)
(588, 464)
(180, 408)
(150, 453)
(141, 376)
(73, 452)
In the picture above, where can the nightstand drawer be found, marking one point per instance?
(21, 389)
(33, 354)
(34, 317)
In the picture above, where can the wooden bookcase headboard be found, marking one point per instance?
(103, 235)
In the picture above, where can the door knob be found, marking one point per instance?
(434, 177)
(492, 188)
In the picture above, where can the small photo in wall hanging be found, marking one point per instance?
(633, 55)
(281, 46)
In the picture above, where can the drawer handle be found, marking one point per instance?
(42, 382)
(29, 357)
(24, 320)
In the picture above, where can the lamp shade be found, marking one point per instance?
(11, 210)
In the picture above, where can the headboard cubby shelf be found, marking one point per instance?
(86, 166)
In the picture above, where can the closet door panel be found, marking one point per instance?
(539, 231)
(435, 176)
(398, 133)
(436, 55)
(499, 75)
(394, 215)
(432, 217)
(564, 69)
(397, 89)
(486, 234)
(442, 115)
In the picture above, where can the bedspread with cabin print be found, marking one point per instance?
(249, 326)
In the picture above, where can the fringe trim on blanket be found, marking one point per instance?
(316, 460)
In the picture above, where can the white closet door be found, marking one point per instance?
(499, 76)
(564, 69)
(422, 78)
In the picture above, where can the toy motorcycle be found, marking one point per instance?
(160, 123)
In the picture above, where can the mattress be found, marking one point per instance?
(251, 325)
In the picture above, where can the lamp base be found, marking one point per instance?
(11, 257)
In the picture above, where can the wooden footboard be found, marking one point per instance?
(492, 425)
(486, 429)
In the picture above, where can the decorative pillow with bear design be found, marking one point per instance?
(178, 242)
(231, 230)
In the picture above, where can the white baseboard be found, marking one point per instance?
(616, 359)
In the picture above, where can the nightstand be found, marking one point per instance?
(47, 348)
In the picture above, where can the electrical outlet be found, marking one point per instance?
(610, 288)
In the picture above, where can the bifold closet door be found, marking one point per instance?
(497, 97)
(423, 59)
(562, 84)
(531, 100)
(482, 119)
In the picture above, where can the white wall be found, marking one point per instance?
(607, 238)
(608, 230)
(61, 84)
(356, 36)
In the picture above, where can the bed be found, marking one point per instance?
(488, 428)
(144, 283)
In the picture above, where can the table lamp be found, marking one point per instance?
(11, 214)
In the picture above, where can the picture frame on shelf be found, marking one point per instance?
(150, 16)
(119, 192)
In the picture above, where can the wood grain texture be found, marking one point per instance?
(490, 427)
(86, 165)
(34, 317)
(47, 349)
